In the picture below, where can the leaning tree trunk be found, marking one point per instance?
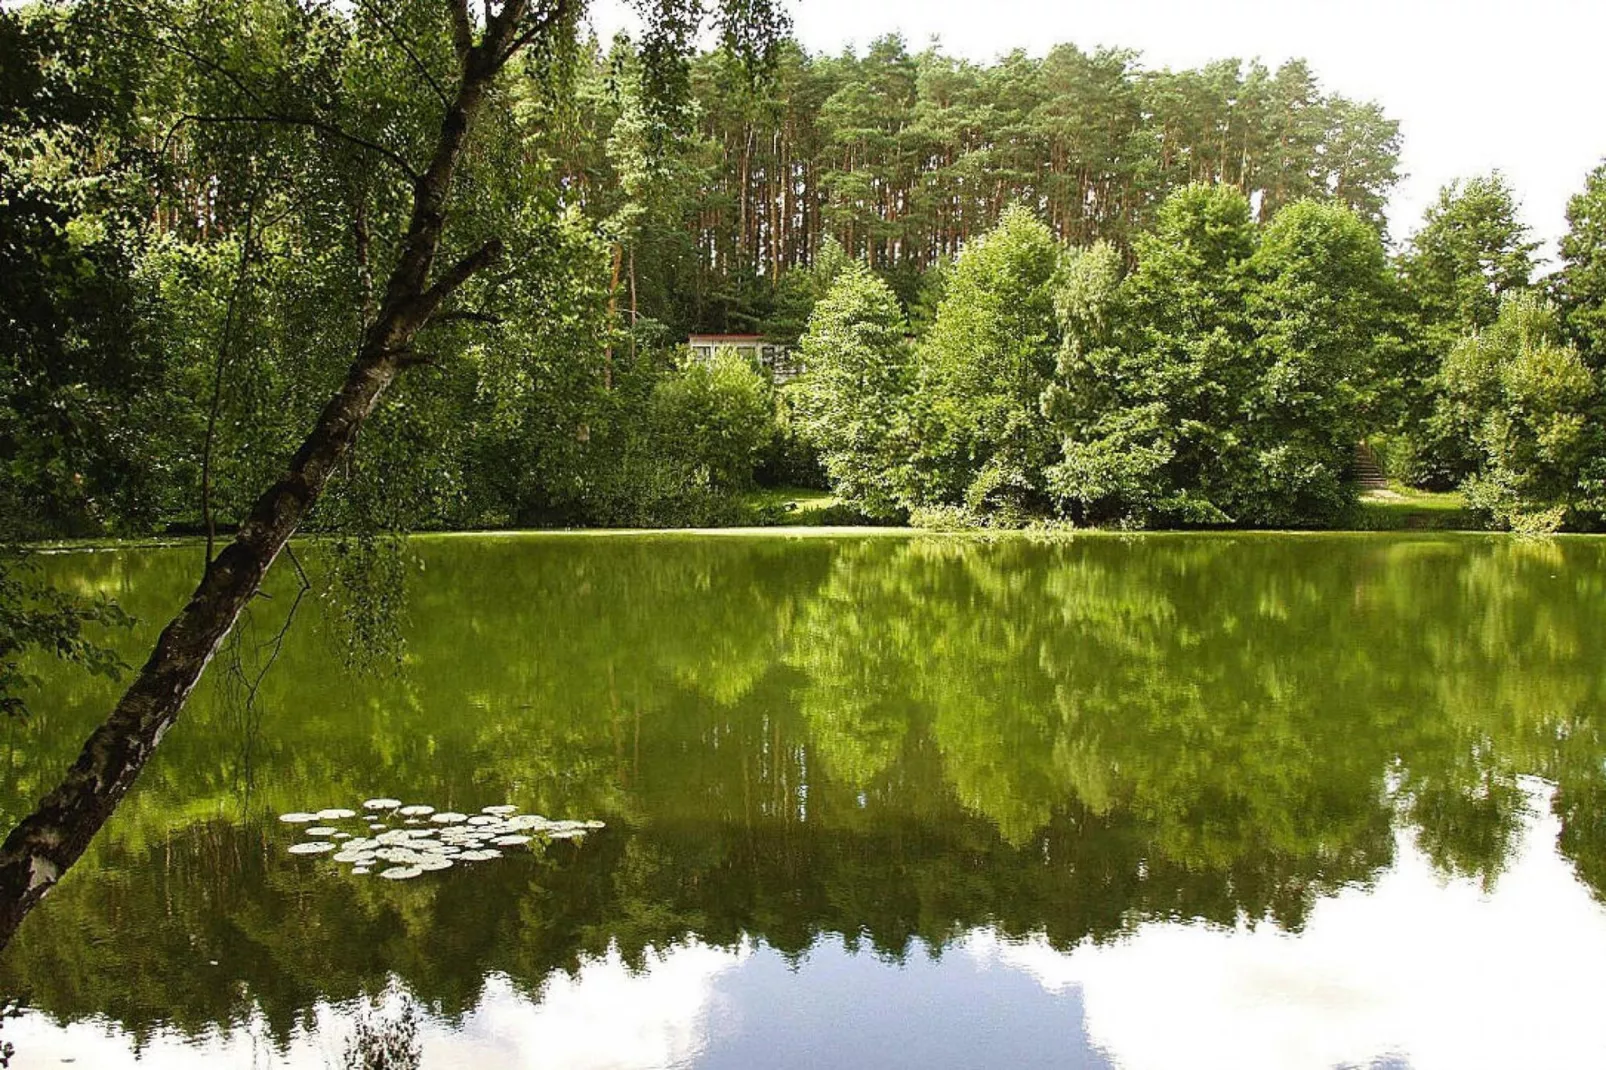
(45, 843)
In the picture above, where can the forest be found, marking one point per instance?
(1063, 289)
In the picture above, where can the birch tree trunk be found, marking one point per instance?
(47, 842)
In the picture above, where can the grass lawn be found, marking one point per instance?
(799, 507)
(1403, 508)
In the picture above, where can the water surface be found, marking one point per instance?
(883, 801)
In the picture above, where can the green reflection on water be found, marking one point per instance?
(884, 738)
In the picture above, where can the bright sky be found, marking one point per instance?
(1476, 84)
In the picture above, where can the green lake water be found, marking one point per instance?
(870, 801)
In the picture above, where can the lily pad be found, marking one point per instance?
(298, 818)
(499, 810)
(510, 841)
(315, 847)
(335, 813)
(400, 873)
(447, 817)
(484, 854)
(416, 810)
(322, 830)
(381, 804)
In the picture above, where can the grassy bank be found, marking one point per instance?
(1402, 508)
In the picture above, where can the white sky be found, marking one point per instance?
(1476, 84)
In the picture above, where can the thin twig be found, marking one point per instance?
(395, 35)
(225, 344)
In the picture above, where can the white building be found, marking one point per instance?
(776, 359)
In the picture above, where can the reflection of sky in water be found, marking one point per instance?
(1418, 971)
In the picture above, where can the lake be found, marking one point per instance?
(869, 801)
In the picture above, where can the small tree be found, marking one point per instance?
(853, 399)
(1151, 411)
(1532, 411)
(1470, 251)
(1581, 287)
(714, 418)
(1318, 293)
(983, 369)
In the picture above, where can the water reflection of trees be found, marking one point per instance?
(885, 739)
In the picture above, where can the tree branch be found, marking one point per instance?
(459, 273)
(560, 10)
(466, 316)
(401, 43)
(462, 30)
(273, 119)
(270, 114)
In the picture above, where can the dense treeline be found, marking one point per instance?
(1059, 288)
(1222, 370)
(902, 158)
(183, 287)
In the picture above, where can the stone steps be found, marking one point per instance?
(1365, 470)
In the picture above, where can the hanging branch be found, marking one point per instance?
(220, 365)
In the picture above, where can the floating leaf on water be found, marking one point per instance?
(435, 862)
(484, 819)
(335, 813)
(400, 873)
(594, 824)
(567, 834)
(361, 858)
(510, 841)
(484, 854)
(316, 847)
(499, 810)
(322, 830)
(447, 817)
(377, 826)
(360, 870)
(298, 818)
(416, 810)
(342, 836)
(381, 804)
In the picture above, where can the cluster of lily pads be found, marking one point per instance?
(416, 839)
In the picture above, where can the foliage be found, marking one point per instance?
(853, 404)
(983, 439)
(37, 617)
(1319, 292)
(1470, 250)
(1581, 285)
(713, 418)
(1536, 415)
(1227, 378)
